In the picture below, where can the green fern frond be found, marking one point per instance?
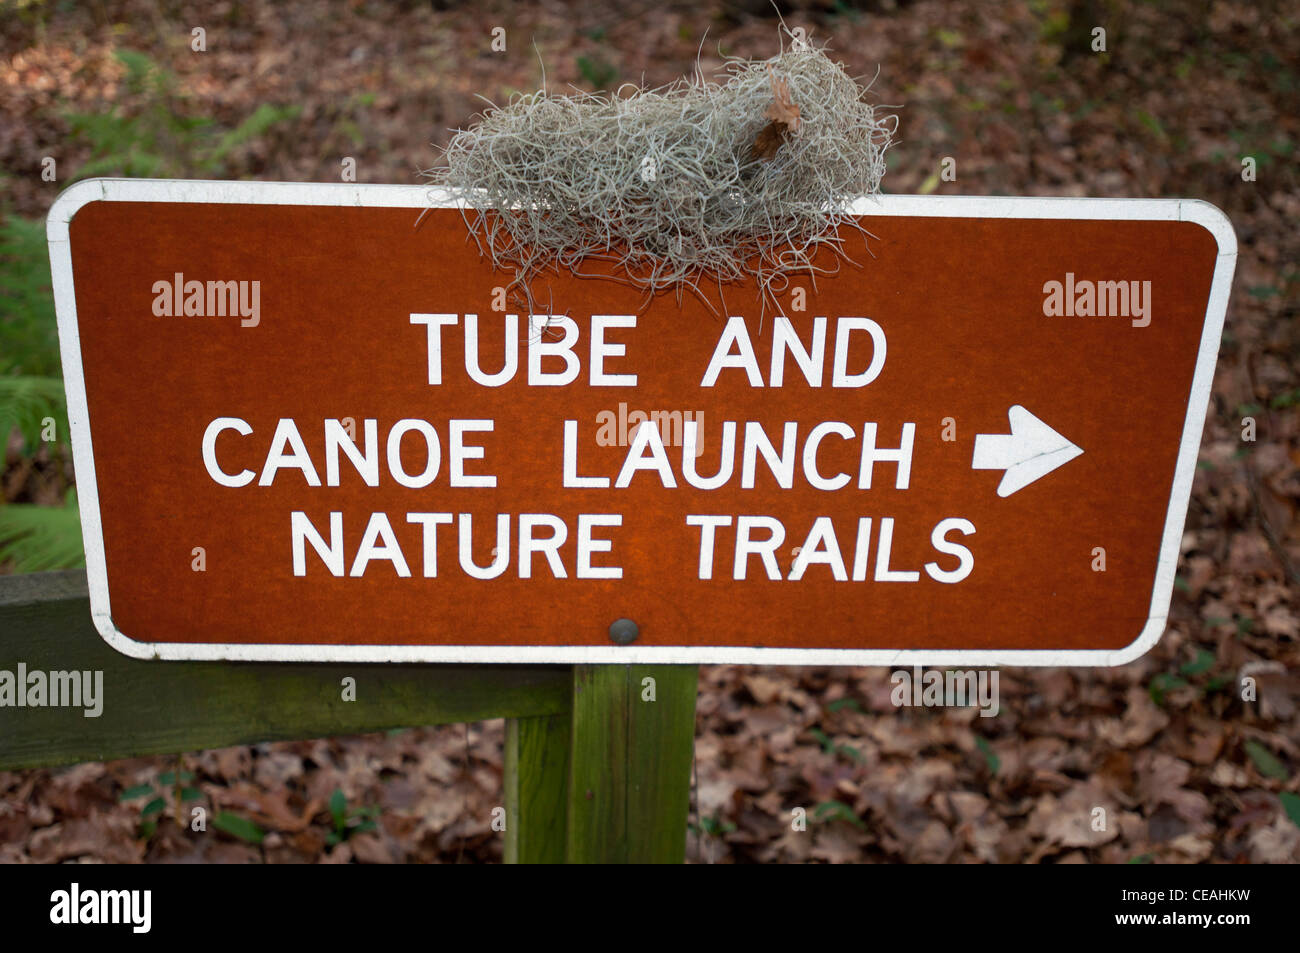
(27, 325)
(27, 402)
(42, 538)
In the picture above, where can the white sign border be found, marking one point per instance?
(77, 196)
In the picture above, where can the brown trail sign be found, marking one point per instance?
(307, 430)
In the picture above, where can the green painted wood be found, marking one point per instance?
(598, 770)
(629, 780)
(153, 707)
(661, 748)
(536, 788)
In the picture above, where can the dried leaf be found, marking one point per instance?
(784, 116)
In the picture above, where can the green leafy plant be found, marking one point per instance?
(42, 538)
(239, 827)
(1188, 674)
(34, 538)
(837, 811)
(1266, 762)
(349, 821)
(1163, 682)
(27, 326)
(991, 758)
(36, 406)
(714, 826)
(179, 784)
(30, 389)
(597, 71)
(162, 139)
(32, 399)
(842, 703)
(1291, 804)
(832, 747)
(1286, 400)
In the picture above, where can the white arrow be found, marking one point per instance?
(1030, 451)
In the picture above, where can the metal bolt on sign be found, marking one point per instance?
(624, 631)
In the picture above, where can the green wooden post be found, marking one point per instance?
(610, 782)
(629, 779)
(537, 788)
(661, 748)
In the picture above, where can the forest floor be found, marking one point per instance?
(1187, 769)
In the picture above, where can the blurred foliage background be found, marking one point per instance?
(1185, 96)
